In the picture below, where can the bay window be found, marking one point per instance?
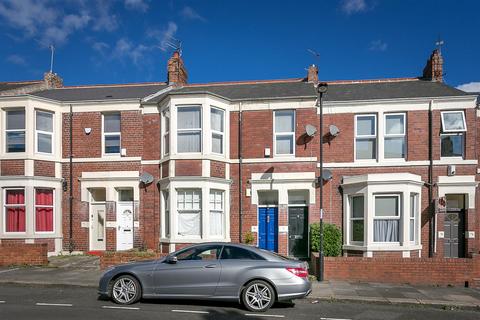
(217, 221)
(14, 209)
(44, 210)
(189, 129)
(189, 208)
(217, 126)
(357, 218)
(284, 132)
(44, 131)
(452, 138)
(111, 133)
(394, 138)
(386, 221)
(365, 137)
(15, 130)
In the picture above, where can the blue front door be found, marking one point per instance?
(268, 228)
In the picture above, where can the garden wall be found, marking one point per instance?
(112, 258)
(23, 254)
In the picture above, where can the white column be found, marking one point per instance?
(205, 219)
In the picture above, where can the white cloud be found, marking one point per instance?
(139, 5)
(164, 37)
(124, 48)
(16, 59)
(105, 19)
(470, 87)
(100, 47)
(190, 14)
(354, 6)
(378, 45)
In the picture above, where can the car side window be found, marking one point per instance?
(204, 253)
(235, 253)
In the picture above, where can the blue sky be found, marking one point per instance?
(122, 41)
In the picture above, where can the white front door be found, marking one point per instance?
(97, 227)
(124, 225)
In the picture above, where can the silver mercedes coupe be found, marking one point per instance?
(254, 277)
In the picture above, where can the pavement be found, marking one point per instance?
(84, 271)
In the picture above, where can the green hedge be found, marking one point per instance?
(332, 239)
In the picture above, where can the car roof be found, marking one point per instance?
(263, 253)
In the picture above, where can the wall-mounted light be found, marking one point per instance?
(87, 130)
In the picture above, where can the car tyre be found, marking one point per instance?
(125, 290)
(258, 296)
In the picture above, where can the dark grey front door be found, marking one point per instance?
(298, 232)
(454, 234)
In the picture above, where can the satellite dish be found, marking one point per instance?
(334, 131)
(146, 178)
(327, 175)
(310, 130)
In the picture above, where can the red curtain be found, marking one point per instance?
(43, 215)
(15, 215)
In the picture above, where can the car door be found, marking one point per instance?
(196, 273)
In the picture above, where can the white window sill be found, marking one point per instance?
(383, 247)
(194, 240)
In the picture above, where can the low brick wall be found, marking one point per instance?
(23, 254)
(425, 271)
(111, 258)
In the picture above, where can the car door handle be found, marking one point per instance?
(210, 266)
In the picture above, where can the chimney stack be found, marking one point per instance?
(433, 70)
(312, 75)
(176, 72)
(52, 80)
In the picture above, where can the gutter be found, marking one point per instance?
(431, 207)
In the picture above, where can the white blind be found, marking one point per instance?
(189, 118)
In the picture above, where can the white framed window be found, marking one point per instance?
(284, 135)
(111, 133)
(14, 215)
(189, 208)
(386, 220)
(394, 136)
(166, 212)
(166, 132)
(453, 121)
(44, 210)
(44, 131)
(217, 214)
(414, 216)
(366, 137)
(217, 123)
(357, 219)
(15, 130)
(189, 129)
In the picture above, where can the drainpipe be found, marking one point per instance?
(70, 196)
(240, 160)
(431, 207)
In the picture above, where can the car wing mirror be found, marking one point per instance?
(171, 259)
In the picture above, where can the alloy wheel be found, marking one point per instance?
(258, 296)
(125, 290)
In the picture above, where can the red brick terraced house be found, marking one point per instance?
(162, 165)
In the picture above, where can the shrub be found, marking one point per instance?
(332, 239)
(248, 238)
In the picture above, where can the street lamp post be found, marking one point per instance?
(321, 89)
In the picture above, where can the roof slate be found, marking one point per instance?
(6, 86)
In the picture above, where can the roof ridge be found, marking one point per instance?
(226, 83)
(20, 82)
(138, 84)
(373, 80)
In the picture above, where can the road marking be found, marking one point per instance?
(2, 301)
(54, 304)
(3, 271)
(264, 315)
(334, 319)
(124, 308)
(190, 311)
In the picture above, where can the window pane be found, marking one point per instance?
(189, 223)
(44, 219)
(385, 230)
(112, 122)
(395, 124)
(44, 197)
(394, 147)
(452, 145)
(217, 143)
(386, 206)
(366, 149)
(357, 230)
(15, 141)
(365, 125)
(44, 121)
(298, 197)
(189, 118)
(234, 253)
(357, 207)
(112, 144)
(15, 220)
(216, 119)
(284, 145)
(166, 143)
(15, 119)
(98, 195)
(125, 194)
(15, 197)
(284, 121)
(216, 223)
(44, 142)
(453, 121)
(189, 142)
(412, 230)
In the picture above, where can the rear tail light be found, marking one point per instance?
(299, 272)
